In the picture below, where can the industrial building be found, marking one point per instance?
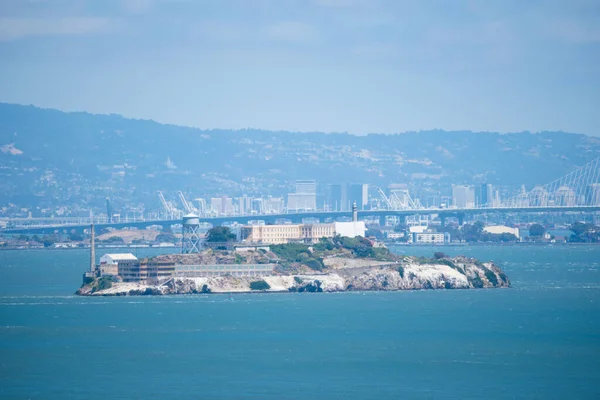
(129, 268)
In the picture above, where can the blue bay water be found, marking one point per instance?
(538, 340)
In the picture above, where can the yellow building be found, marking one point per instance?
(278, 234)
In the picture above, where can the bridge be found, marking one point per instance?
(578, 191)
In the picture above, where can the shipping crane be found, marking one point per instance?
(188, 207)
(202, 207)
(170, 209)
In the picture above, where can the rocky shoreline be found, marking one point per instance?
(342, 274)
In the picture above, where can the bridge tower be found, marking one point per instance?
(190, 243)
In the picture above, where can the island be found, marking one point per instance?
(331, 265)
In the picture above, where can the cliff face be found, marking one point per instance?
(408, 274)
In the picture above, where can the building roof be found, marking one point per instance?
(122, 256)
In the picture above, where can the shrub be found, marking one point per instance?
(315, 264)
(205, 289)
(104, 283)
(314, 287)
(450, 264)
(438, 254)
(220, 234)
(298, 280)
(477, 282)
(400, 270)
(491, 276)
(87, 280)
(503, 277)
(324, 245)
(294, 252)
(259, 285)
(382, 254)
(101, 284)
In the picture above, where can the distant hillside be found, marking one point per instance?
(52, 157)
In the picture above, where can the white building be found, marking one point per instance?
(114, 259)
(111, 263)
(417, 228)
(350, 229)
(500, 229)
(395, 235)
(431, 237)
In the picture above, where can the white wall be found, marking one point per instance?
(350, 229)
(499, 229)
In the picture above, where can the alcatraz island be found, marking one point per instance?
(282, 258)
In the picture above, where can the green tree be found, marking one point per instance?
(166, 237)
(537, 230)
(584, 233)
(400, 228)
(49, 241)
(376, 233)
(75, 237)
(114, 239)
(259, 285)
(220, 234)
(472, 233)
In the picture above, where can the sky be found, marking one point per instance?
(357, 66)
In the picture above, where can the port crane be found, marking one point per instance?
(187, 206)
(170, 209)
(202, 207)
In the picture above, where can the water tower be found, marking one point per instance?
(190, 243)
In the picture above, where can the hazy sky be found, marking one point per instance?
(305, 65)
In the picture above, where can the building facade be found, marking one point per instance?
(431, 237)
(305, 197)
(463, 196)
(129, 268)
(279, 234)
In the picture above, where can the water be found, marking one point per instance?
(540, 339)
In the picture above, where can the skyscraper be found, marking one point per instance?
(336, 197)
(484, 195)
(359, 194)
(463, 196)
(305, 198)
(306, 187)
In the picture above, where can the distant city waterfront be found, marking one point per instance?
(539, 339)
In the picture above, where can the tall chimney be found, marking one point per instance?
(93, 250)
(354, 212)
